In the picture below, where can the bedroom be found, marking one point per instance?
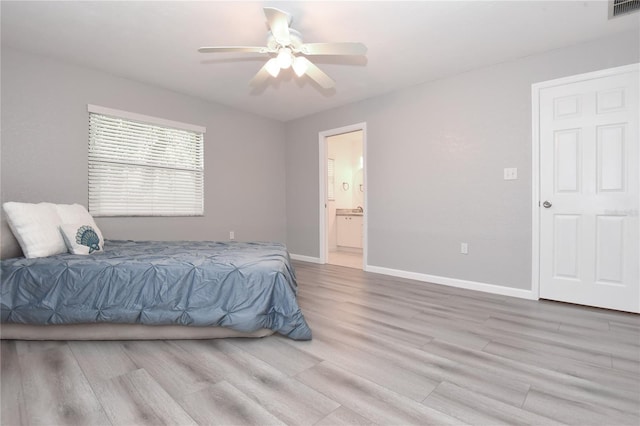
(262, 172)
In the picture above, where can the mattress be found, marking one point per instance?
(241, 286)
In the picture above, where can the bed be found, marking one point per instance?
(150, 289)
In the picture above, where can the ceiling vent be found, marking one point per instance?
(622, 7)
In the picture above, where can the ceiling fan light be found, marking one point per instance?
(285, 58)
(299, 65)
(272, 67)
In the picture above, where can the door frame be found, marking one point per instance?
(536, 88)
(322, 205)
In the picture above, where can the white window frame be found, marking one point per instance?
(106, 173)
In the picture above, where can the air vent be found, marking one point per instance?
(622, 7)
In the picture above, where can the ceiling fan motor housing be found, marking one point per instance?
(295, 41)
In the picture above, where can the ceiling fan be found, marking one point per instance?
(285, 46)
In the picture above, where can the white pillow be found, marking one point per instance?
(81, 238)
(35, 226)
(77, 213)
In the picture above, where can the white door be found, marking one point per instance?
(589, 192)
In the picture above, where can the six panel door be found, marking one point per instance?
(589, 192)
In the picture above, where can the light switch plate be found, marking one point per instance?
(464, 248)
(511, 173)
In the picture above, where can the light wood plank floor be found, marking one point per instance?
(384, 351)
(350, 258)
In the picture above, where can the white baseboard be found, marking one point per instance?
(454, 282)
(435, 279)
(304, 258)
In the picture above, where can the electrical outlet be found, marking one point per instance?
(232, 235)
(511, 173)
(464, 248)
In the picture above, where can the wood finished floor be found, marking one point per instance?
(350, 259)
(384, 351)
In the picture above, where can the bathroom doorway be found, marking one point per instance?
(343, 203)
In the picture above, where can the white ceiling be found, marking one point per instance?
(409, 42)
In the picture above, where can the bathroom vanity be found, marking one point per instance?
(349, 228)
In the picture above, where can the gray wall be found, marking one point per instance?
(435, 157)
(436, 154)
(44, 151)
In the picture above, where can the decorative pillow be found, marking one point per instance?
(77, 213)
(81, 238)
(35, 226)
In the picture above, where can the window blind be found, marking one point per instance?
(331, 179)
(144, 169)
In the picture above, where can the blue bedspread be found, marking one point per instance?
(243, 286)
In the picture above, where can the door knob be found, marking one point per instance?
(546, 204)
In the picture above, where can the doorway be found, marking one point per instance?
(343, 190)
(586, 211)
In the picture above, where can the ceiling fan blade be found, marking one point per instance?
(243, 49)
(317, 74)
(333, 49)
(260, 77)
(279, 23)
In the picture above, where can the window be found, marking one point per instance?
(144, 166)
(331, 179)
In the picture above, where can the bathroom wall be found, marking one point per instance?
(357, 187)
(341, 153)
(346, 150)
